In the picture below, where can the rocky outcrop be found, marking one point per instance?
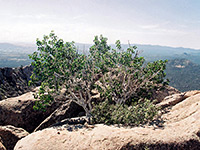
(160, 93)
(10, 135)
(180, 130)
(176, 98)
(14, 81)
(19, 112)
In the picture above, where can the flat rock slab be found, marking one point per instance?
(181, 130)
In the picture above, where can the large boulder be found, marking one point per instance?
(181, 130)
(10, 135)
(19, 112)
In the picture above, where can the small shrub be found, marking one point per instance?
(140, 113)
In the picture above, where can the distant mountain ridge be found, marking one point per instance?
(13, 55)
(152, 53)
(14, 47)
(155, 52)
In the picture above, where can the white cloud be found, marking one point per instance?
(149, 26)
(28, 16)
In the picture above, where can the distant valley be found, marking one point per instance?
(14, 55)
(183, 68)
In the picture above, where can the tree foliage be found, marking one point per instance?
(120, 77)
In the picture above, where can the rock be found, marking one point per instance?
(185, 111)
(181, 130)
(14, 81)
(176, 98)
(160, 93)
(67, 110)
(190, 93)
(2, 147)
(172, 100)
(10, 135)
(72, 124)
(27, 71)
(19, 112)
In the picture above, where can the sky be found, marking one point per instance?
(173, 23)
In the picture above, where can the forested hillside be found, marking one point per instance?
(183, 74)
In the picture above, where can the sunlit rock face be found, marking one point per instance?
(180, 130)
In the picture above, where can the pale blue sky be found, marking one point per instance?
(159, 22)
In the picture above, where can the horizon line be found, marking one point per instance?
(28, 44)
